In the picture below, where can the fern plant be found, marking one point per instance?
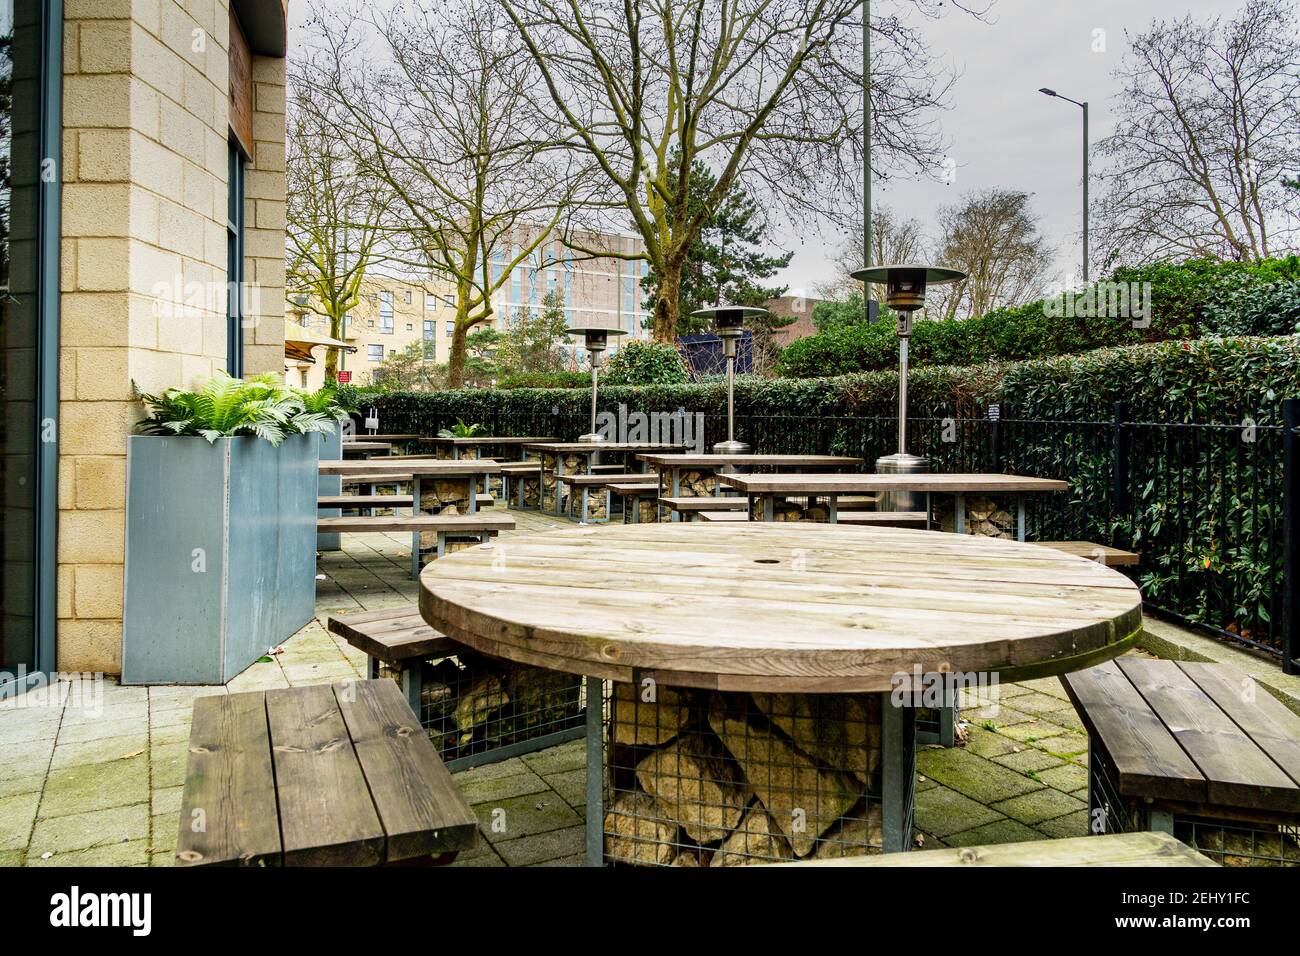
(225, 406)
(461, 430)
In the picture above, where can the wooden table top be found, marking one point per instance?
(1192, 733)
(567, 446)
(410, 466)
(362, 436)
(333, 775)
(489, 440)
(367, 446)
(779, 607)
(713, 461)
(849, 484)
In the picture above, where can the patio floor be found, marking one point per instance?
(86, 788)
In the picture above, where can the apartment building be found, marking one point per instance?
(145, 142)
(390, 316)
(394, 313)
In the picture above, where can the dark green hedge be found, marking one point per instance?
(1188, 300)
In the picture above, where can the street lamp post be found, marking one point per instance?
(596, 337)
(1084, 107)
(905, 287)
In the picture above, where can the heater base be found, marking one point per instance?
(731, 448)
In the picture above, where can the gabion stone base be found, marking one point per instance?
(698, 778)
(789, 511)
(985, 517)
(693, 484)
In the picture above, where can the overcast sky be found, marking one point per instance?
(1003, 132)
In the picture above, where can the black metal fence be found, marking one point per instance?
(1213, 507)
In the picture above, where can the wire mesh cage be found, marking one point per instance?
(1242, 839)
(479, 709)
(703, 778)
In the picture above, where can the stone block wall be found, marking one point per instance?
(143, 262)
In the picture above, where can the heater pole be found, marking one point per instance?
(902, 394)
(593, 393)
(731, 405)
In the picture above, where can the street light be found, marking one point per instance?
(596, 337)
(905, 287)
(729, 322)
(1084, 106)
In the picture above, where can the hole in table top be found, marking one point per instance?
(767, 561)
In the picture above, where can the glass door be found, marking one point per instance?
(28, 341)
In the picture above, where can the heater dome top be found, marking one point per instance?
(729, 312)
(934, 275)
(608, 327)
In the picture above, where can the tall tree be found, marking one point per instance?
(437, 103)
(1207, 123)
(531, 343)
(991, 235)
(727, 261)
(894, 240)
(767, 94)
(334, 218)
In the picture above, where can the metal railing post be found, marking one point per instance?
(1119, 463)
(1290, 534)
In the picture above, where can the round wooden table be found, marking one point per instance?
(774, 608)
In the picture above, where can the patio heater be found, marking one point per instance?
(904, 293)
(596, 337)
(729, 322)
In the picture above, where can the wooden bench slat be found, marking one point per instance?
(421, 810)
(390, 523)
(376, 479)
(327, 817)
(364, 501)
(898, 519)
(596, 481)
(1273, 728)
(634, 490)
(1111, 557)
(229, 779)
(705, 504)
(720, 515)
(521, 468)
(393, 635)
(1147, 758)
(1114, 849)
(1236, 771)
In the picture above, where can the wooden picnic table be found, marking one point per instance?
(365, 449)
(701, 471)
(829, 487)
(322, 775)
(560, 458)
(780, 609)
(421, 470)
(362, 436)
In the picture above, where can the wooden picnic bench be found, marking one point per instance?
(481, 526)
(364, 502)
(400, 641)
(323, 775)
(1197, 750)
(521, 480)
(1101, 553)
(634, 495)
(1120, 849)
(582, 485)
(688, 508)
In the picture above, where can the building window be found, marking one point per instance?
(375, 353)
(386, 313)
(408, 296)
(410, 327)
(451, 327)
(235, 261)
(430, 345)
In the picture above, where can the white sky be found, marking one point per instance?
(1002, 131)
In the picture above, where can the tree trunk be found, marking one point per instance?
(667, 303)
(456, 362)
(332, 355)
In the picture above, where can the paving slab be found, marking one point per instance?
(999, 831)
(524, 816)
(942, 811)
(1036, 807)
(980, 779)
(80, 831)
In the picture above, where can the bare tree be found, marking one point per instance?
(766, 93)
(992, 236)
(1208, 122)
(894, 240)
(335, 216)
(437, 106)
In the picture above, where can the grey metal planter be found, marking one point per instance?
(331, 449)
(220, 554)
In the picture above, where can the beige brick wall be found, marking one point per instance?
(146, 92)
